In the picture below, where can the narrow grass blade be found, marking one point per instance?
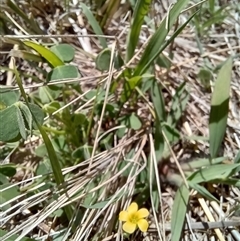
(158, 103)
(47, 54)
(141, 9)
(220, 171)
(219, 108)
(203, 191)
(178, 212)
(157, 42)
(179, 103)
(95, 26)
(237, 158)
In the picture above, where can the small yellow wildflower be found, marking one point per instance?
(134, 218)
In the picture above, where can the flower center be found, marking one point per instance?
(133, 218)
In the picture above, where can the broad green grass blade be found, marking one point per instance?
(45, 53)
(141, 9)
(220, 171)
(219, 108)
(155, 45)
(93, 22)
(178, 212)
(201, 162)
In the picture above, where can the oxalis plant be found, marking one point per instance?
(79, 151)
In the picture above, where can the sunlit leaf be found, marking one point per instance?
(140, 10)
(47, 54)
(157, 42)
(178, 212)
(219, 108)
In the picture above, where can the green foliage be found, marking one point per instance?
(17, 119)
(80, 128)
(63, 73)
(103, 60)
(47, 54)
(219, 108)
(158, 42)
(141, 9)
(8, 170)
(180, 206)
(64, 51)
(95, 26)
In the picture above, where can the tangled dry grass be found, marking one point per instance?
(27, 215)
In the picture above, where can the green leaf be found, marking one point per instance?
(135, 122)
(205, 77)
(47, 54)
(237, 158)
(9, 124)
(178, 212)
(219, 108)
(95, 26)
(64, 51)
(48, 93)
(103, 60)
(21, 124)
(158, 101)
(163, 61)
(157, 42)
(179, 103)
(171, 133)
(129, 86)
(202, 162)
(220, 171)
(83, 152)
(51, 107)
(63, 72)
(8, 170)
(27, 115)
(7, 195)
(8, 97)
(26, 55)
(140, 11)
(203, 191)
(37, 113)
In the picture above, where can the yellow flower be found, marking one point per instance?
(134, 218)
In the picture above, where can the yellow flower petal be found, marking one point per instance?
(142, 213)
(129, 227)
(123, 216)
(143, 225)
(132, 208)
